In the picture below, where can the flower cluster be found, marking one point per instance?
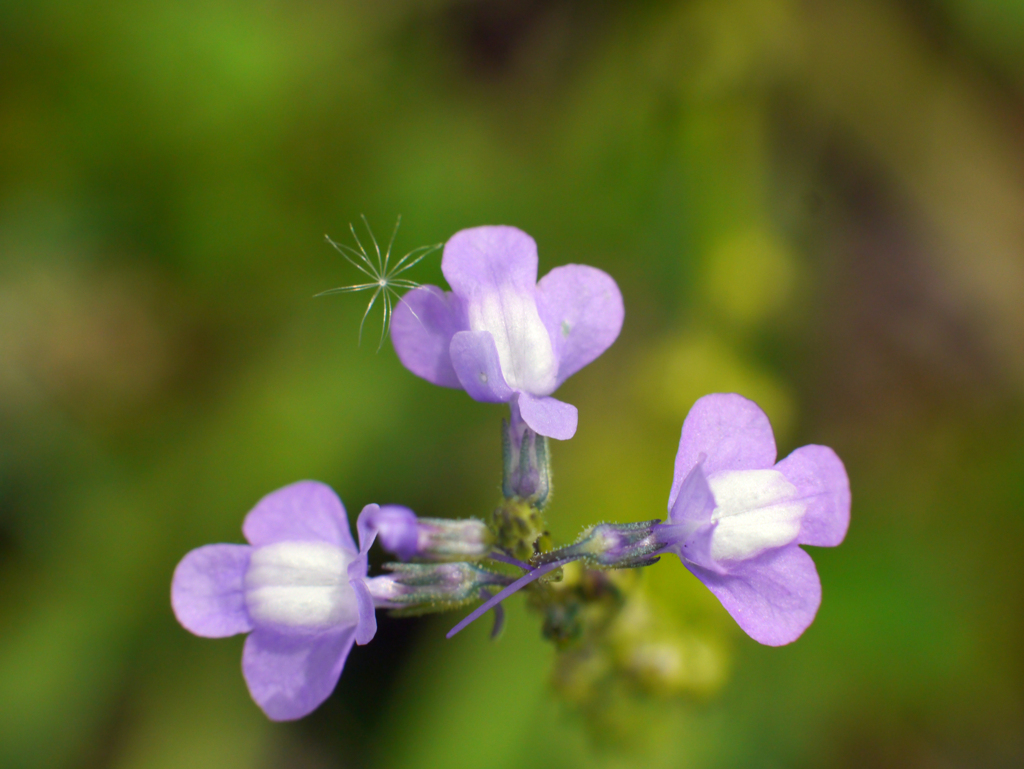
(736, 517)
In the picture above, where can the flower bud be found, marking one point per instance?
(423, 587)
(429, 539)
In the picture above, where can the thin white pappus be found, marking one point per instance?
(383, 275)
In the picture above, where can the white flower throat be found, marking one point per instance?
(300, 586)
(756, 510)
(524, 347)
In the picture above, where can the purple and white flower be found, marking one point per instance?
(737, 519)
(502, 336)
(299, 588)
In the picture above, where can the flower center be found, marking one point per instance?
(524, 347)
(300, 586)
(756, 510)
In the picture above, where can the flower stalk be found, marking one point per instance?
(611, 546)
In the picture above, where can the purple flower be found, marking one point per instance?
(299, 586)
(737, 519)
(502, 336)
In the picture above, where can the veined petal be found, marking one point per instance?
(755, 510)
(422, 328)
(581, 307)
(306, 511)
(207, 592)
(730, 431)
(494, 271)
(290, 676)
(774, 598)
(549, 416)
(821, 482)
(476, 363)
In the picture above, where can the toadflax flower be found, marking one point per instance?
(299, 586)
(737, 519)
(502, 336)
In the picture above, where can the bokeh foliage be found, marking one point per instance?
(817, 204)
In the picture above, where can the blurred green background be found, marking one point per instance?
(816, 203)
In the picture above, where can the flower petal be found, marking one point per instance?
(731, 431)
(476, 363)
(481, 260)
(773, 597)
(549, 416)
(289, 676)
(582, 309)
(368, 527)
(422, 328)
(692, 502)
(208, 591)
(493, 270)
(688, 531)
(367, 627)
(395, 525)
(822, 483)
(307, 511)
